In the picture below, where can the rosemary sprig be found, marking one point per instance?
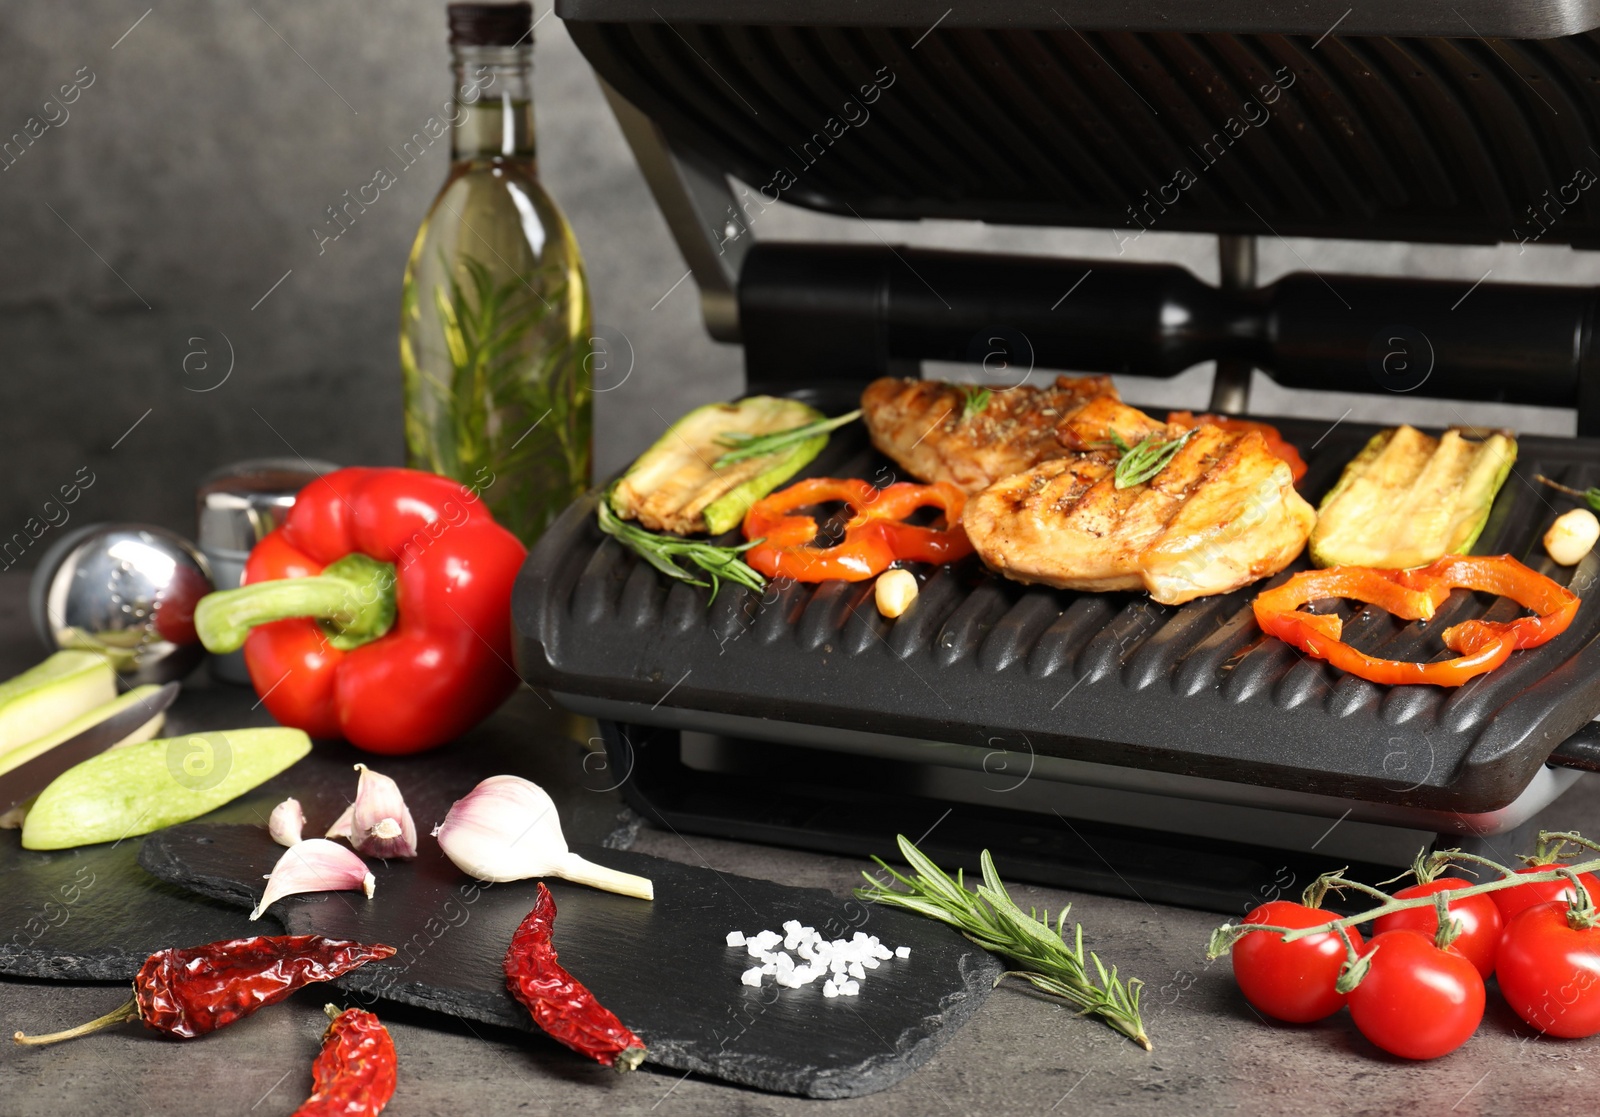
(746, 445)
(507, 391)
(664, 551)
(989, 918)
(975, 400)
(1592, 496)
(1142, 462)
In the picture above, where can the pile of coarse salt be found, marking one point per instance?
(843, 964)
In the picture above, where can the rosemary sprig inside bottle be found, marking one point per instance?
(664, 551)
(745, 445)
(1140, 463)
(990, 918)
(975, 399)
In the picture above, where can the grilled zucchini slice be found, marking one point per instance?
(673, 487)
(1408, 498)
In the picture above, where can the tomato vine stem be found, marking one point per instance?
(1224, 937)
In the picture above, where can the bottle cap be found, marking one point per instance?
(490, 25)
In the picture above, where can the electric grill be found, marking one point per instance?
(1098, 741)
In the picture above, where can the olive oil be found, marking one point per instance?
(495, 317)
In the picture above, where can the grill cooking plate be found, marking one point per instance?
(1111, 678)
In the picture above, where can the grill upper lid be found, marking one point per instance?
(1525, 19)
(1402, 124)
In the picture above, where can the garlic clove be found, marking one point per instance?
(507, 829)
(342, 825)
(286, 822)
(380, 822)
(315, 865)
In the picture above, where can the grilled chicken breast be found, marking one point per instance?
(1222, 514)
(1088, 429)
(922, 425)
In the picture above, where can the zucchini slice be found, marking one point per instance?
(1408, 498)
(674, 487)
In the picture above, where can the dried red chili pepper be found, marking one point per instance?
(559, 1003)
(354, 1073)
(189, 991)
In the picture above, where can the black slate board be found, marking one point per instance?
(92, 914)
(661, 965)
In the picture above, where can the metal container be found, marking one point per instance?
(127, 591)
(236, 506)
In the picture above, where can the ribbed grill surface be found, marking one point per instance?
(1404, 138)
(1113, 677)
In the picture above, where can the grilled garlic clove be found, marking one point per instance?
(380, 821)
(286, 822)
(315, 865)
(894, 592)
(342, 825)
(1572, 536)
(507, 829)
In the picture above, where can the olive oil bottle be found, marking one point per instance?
(495, 318)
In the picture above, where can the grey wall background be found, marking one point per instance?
(142, 233)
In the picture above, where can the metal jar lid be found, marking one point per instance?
(239, 504)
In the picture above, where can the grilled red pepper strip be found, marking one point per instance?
(190, 991)
(873, 537)
(560, 1005)
(1414, 595)
(384, 611)
(354, 1073)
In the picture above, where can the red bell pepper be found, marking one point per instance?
(379, 612)
(873, 538)
(1414, 595)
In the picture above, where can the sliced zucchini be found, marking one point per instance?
(674, 486)
(1408, 498)
(125, 792)
(50, 694)
(41, 745)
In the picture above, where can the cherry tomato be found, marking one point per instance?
(1417, 1001)
(1291, 981)
(1550, 971)
(1477, 917)
(1513, 901)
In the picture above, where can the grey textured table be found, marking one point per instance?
(1020, 1055)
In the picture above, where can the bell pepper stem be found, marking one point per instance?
(353, 598)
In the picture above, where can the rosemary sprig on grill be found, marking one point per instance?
(975, 400)
(746, 445)
(664, 551)
(1140, 463)
(989, 918)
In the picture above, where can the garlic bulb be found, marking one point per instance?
(507, 829)
(286, 822)
(380, 822)
(315, 865)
